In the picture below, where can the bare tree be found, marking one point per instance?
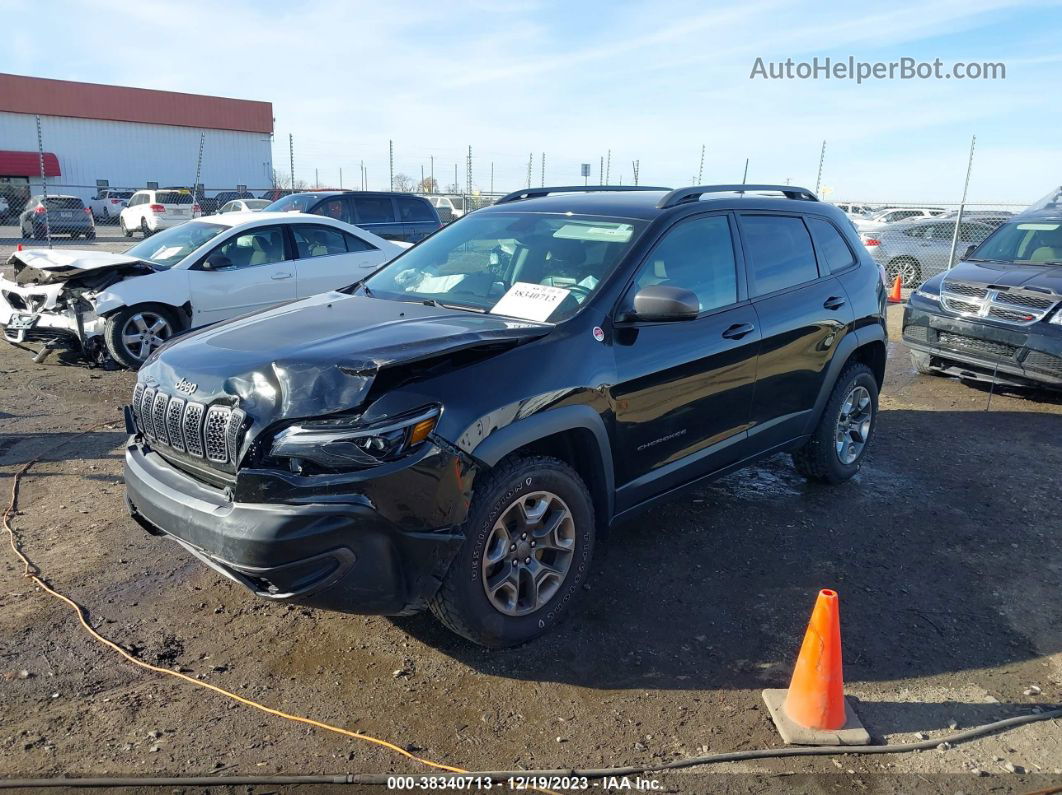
(453, 187)
(428, 185)
(282, 179)
(402, 183)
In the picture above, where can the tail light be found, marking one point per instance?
(871, 241)
(197, 210)
(88, 211)
(39, 209)
(116, 201)
(157, 208)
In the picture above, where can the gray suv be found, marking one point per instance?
(392, 216)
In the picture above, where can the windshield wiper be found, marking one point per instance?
(437, 303)
(998, 261)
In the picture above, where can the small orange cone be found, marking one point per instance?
(813, 711)
(895, 297)
(19, 247)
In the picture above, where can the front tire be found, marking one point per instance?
(529, 538)
(125, 231)
(836, 449)
(133, 333)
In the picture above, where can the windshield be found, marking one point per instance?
(297, 202)
(168, 247)
(534, 267)
(1033, 242)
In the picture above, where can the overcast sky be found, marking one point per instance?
(652, 81)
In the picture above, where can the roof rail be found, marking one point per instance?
(537, 193)
(682, 195)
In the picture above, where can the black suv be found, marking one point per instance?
(392, 216)
(997, 315)
(457, 429)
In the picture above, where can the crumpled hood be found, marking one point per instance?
(50, 266)
(319, 355)
(1038, 277)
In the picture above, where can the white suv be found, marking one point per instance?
(108, 203)
(152, 210)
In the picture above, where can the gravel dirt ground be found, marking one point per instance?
(945, 551)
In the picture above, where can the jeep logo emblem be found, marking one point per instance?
(187, 387)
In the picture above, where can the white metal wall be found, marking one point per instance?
(132, 154)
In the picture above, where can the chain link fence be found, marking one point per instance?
(914, 241)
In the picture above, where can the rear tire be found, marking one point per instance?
(90, 235)
(907, 268)
(144, 231)
(125, 231)
(516, 576)
(838, 445)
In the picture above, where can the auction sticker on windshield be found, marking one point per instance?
(530, 301)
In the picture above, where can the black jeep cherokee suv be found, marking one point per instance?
(997, 315)
(456, 430)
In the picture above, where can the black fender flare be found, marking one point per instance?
(848, 345)
(520, 433)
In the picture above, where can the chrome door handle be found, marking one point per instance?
(279, 276)
(833, 302)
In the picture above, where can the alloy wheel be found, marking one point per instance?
(528, 553)
(144, 332)
(853, 424)
(907, 270)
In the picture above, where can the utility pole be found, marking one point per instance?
(468, 174)
(44, 187)
(601, 172)
(962, 205)
(391, 150)
(431, 184)
(543, 183)
(291, 159)
(634, 166)
(530, 164)
(457, 185)
(421, 179)
(316, 179)
(608, 167)
(198, 168)
(362, 170)
(818, 179)
(341, 177)
(700, 171)
(492, 176)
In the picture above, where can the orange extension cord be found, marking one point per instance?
(30, 571)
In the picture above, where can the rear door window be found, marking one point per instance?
(779, 253)
(374, 210)
(315, 240)
(834, 253)
(410, 210)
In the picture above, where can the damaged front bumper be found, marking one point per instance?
(969, 348)
(353, 543)
(31, 314)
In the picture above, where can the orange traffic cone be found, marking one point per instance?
(19, 247)
(895, 297)
(814, 711)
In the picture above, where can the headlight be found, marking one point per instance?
(346, 443)
(934, 297)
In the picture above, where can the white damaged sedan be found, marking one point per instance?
(192, 275)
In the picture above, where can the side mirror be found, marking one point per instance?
(969, 250)
(216, 262)
(661, 303)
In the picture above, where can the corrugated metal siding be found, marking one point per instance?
(38, 95)
(130, 155)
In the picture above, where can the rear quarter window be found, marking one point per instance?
(414, 210)
(834, 253)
